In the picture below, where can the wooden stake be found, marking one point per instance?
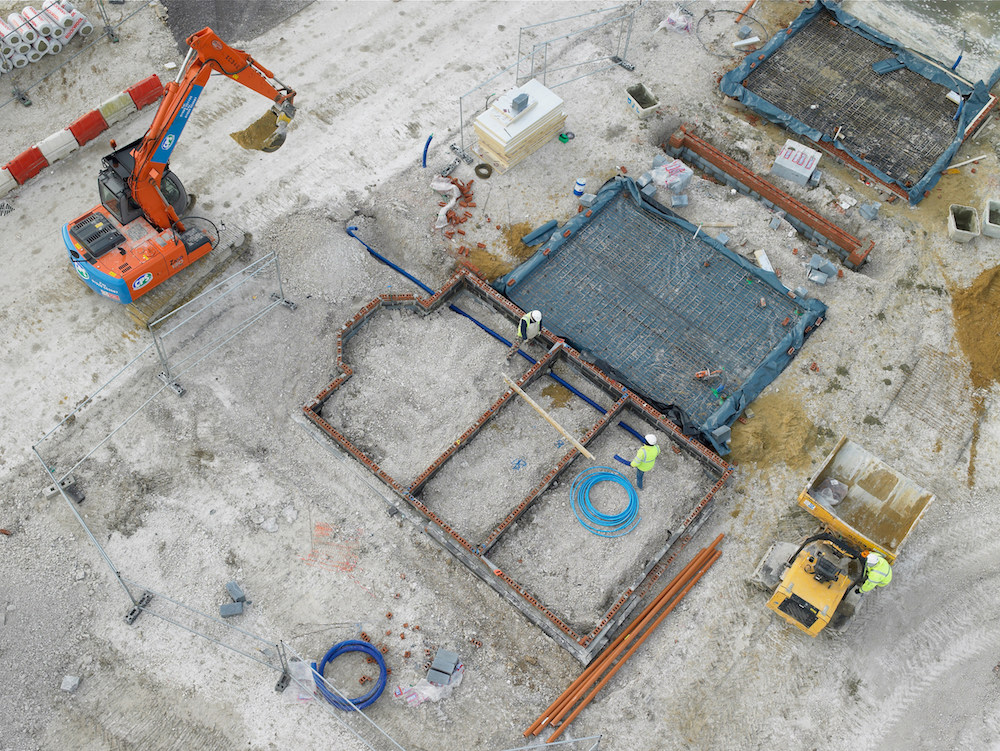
(576, 444)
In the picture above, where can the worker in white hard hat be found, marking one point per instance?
(527, 329)
(878, 572)
(645, 457)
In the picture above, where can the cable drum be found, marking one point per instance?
(597, 523)
(362, 702)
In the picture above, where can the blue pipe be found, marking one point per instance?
(352, 229)
(428, 144)
(626, 462)
(362, 702)
(958, 113)
(603, 525)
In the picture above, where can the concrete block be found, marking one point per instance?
(744, 32)
(814, 178)
(681, 200)
(795, 162)
(52, 491)
(817, 276)
(659, 160)
(588, 199)
(723, 238)
(70, 683)
(436, 676)
(230, 609)
(819, 263)
(644, 179)
(722, 434)
(775, 222)
(991, 217)
(236, 592)
(869, 210)
(801, 292)
(963, 223)
(445, 661)
(649, 190)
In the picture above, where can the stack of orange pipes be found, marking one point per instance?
(599, 672)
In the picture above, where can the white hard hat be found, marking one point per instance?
(536, 315)
(873, 558)
(650, 440)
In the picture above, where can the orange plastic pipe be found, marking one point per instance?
(714, 557)
(745, 11)
(557, 708)
(575, 689)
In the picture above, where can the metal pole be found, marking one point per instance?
(461, 123)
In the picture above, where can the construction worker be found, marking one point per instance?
(645, 457)
(878, 573)
(527, 329)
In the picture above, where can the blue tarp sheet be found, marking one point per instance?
(652, 304)
(976, 95)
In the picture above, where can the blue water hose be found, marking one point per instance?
(352, 229)
(603, 525)
(362, 702)
(428, 145)
(626, 462)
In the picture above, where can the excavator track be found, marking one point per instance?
(233, 245)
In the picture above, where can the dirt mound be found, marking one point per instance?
(779, 433)
(977, 326)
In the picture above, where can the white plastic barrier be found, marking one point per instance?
(39, 21)
(58, 145)
(7, 182)
(117, 107)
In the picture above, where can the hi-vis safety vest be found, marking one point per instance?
(645, 457)
(877, 576)
(527, 328)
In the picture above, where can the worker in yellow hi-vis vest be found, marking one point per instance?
(645, 458)
(878, 572)
(527, 329)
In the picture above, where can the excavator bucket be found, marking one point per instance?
(267, 133)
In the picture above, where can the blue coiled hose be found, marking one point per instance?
(603, 525)
(362, 702)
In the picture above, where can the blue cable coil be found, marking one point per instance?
(603, 525)
(362, 702)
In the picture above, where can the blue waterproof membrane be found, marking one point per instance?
(634, 289)
(830, 70)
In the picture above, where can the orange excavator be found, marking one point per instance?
(136, 238)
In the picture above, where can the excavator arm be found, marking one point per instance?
(207, 54)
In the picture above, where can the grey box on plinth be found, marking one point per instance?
(676, 201)
(445, 660)
(795, 162)
(588, 199)
(648, 190)
(236, 592)
(436, 676)
(519, 102)
(230, 609)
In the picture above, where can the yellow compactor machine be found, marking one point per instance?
(862, 505)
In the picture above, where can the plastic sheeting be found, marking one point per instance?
(651, 304)
(976, 95)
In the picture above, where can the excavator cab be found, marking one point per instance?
(116, 196)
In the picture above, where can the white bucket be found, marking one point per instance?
(55, 46)
(39, 21)
(963, 223)
(58, 13)
(21, 27)
(991, 218)
(579, 187)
